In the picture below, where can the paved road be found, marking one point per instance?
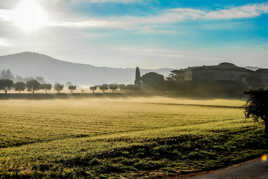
(255, 169)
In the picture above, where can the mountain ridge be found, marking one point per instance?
(32, 64)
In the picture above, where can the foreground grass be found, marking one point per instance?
(124, 137)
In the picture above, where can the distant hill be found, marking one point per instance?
(29, 64)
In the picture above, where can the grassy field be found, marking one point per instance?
(130, 137)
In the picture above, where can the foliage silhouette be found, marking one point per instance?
(257, 106)
(19, 86)
(104, 87)
(46, 87)
(58, 87)
(93, 89)
(72, 88)
(153, 80)
(33, 85)
(138, 77)
(6, 84)
(113, 87)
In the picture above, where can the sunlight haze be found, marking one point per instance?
(130, 33)
(29, 16)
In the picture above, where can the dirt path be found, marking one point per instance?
(248, 170)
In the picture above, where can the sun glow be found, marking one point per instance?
(29, 16)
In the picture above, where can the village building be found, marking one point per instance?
(222, 72)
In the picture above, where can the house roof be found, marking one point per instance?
(222, 66)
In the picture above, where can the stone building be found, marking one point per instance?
(222, 72)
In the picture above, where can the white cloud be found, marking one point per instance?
(105, 1)
(113, 1)
(170, 16)
(156, 30)
(151, 52)
(7, 4)
(5, 15)
(4, 43)
(85, 24)
(247, 11)
(146, 23)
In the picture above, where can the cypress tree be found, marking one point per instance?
(138, 77)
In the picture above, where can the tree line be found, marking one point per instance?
(173, 85)
(33, 85)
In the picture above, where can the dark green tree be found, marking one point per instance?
(138, 77)
(153, 80)
(132, 88)
(93, 89)
(6, 84)
(113, 87)
(58, 87)
(72, 88)
(122, 86)
(19, 86)
(104, 87)
(33, 85)
(257, 106)
(46, 87)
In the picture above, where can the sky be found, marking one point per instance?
(145, 33)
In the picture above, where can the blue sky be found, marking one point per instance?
(146, 33)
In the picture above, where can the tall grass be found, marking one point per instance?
(96, 136)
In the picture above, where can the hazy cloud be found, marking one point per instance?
(247, 11)
(169, 16)
(71, 36)
(110, 1)
(5, 15)
(8, 4)
(4, 43)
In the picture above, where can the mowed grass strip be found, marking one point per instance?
(63, 137)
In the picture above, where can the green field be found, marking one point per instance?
(131, 137)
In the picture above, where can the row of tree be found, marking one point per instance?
(31, 85)
(34, 85)
(10, 81)
(105, 87)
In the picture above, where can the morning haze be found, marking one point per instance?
(133, 89)
(54, 70)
